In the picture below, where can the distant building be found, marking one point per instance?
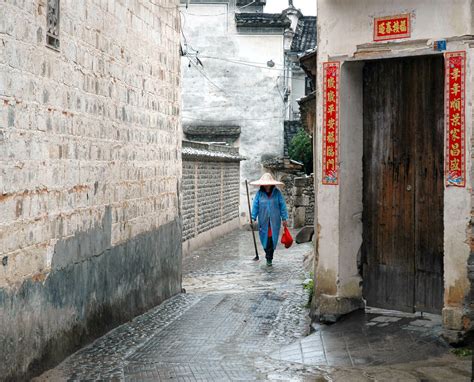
(241, 75)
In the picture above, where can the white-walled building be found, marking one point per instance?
(393, 149)
(237, 80)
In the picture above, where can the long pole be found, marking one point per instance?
(251, 222)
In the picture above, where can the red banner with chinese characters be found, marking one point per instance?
(392, 27)
(331, 75)
(455, 74)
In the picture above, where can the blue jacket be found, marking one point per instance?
(269, 210)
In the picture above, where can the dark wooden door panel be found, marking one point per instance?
(403, 183)
(429, 226)
(388, 206)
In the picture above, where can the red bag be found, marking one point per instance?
(286, 239)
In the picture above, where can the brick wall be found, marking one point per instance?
(211, 176)
(89, 171)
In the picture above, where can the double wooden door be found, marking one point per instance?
(402, 255)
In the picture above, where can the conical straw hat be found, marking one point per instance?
(266, 180)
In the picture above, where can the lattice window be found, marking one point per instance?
(52, 27)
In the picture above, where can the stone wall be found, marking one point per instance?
(299, 196)
(303, 201)
(288, 180)
(210, 203)
(90, 138)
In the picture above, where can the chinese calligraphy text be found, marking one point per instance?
(392, 27)
(455, 119)
(331, 71)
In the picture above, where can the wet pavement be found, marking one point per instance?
(243, 321)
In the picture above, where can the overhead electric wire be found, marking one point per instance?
(262, 65)
(162, 6)
(247, 63)
(220, 14)
(232, 120)
(207, 78)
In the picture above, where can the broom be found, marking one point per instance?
(251, 222)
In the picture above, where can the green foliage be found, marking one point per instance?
(462, 352)
(309, 286)
(301, 150)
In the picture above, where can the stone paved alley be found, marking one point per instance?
(242, 321)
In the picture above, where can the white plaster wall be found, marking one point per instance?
(245, 93)
(297, 91)
(457, 212)
(351, 179)
(343, 24)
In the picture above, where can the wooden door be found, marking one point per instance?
(403, 184)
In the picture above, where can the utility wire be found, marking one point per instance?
(261, 65)
(239, 61)
(207, 78)
(221, 14)
(248, 63)
(163, 7)
(233, 120)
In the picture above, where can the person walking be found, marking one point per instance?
(270, 208)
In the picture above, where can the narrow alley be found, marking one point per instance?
(142, 140)
(240, 320)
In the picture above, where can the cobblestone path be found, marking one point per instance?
(236, 312)
(243, 321)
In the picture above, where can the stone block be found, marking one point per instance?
(453, 337)
(331, 308)
(305, 235)
(453, 318)
(302, 201)
(297, 191)
(299, 217)
(302, 182)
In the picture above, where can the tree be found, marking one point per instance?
(301, 150)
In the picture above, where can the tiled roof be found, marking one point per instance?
(262, 20)
(305, 36)
(241, 3)
(212, 133)
(202, 151)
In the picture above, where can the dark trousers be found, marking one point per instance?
(269, 250)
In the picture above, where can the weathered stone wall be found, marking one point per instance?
(211, 177)
(90, 137)
(299, 196)
(303, 193)
(287, 191)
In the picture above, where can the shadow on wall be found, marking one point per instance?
(91, 288)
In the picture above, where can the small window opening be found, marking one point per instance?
(52, 27)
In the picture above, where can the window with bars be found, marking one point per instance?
(52, 24)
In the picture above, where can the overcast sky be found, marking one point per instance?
(307, 7)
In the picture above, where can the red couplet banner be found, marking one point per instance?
(455, 162)
(331, 76)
